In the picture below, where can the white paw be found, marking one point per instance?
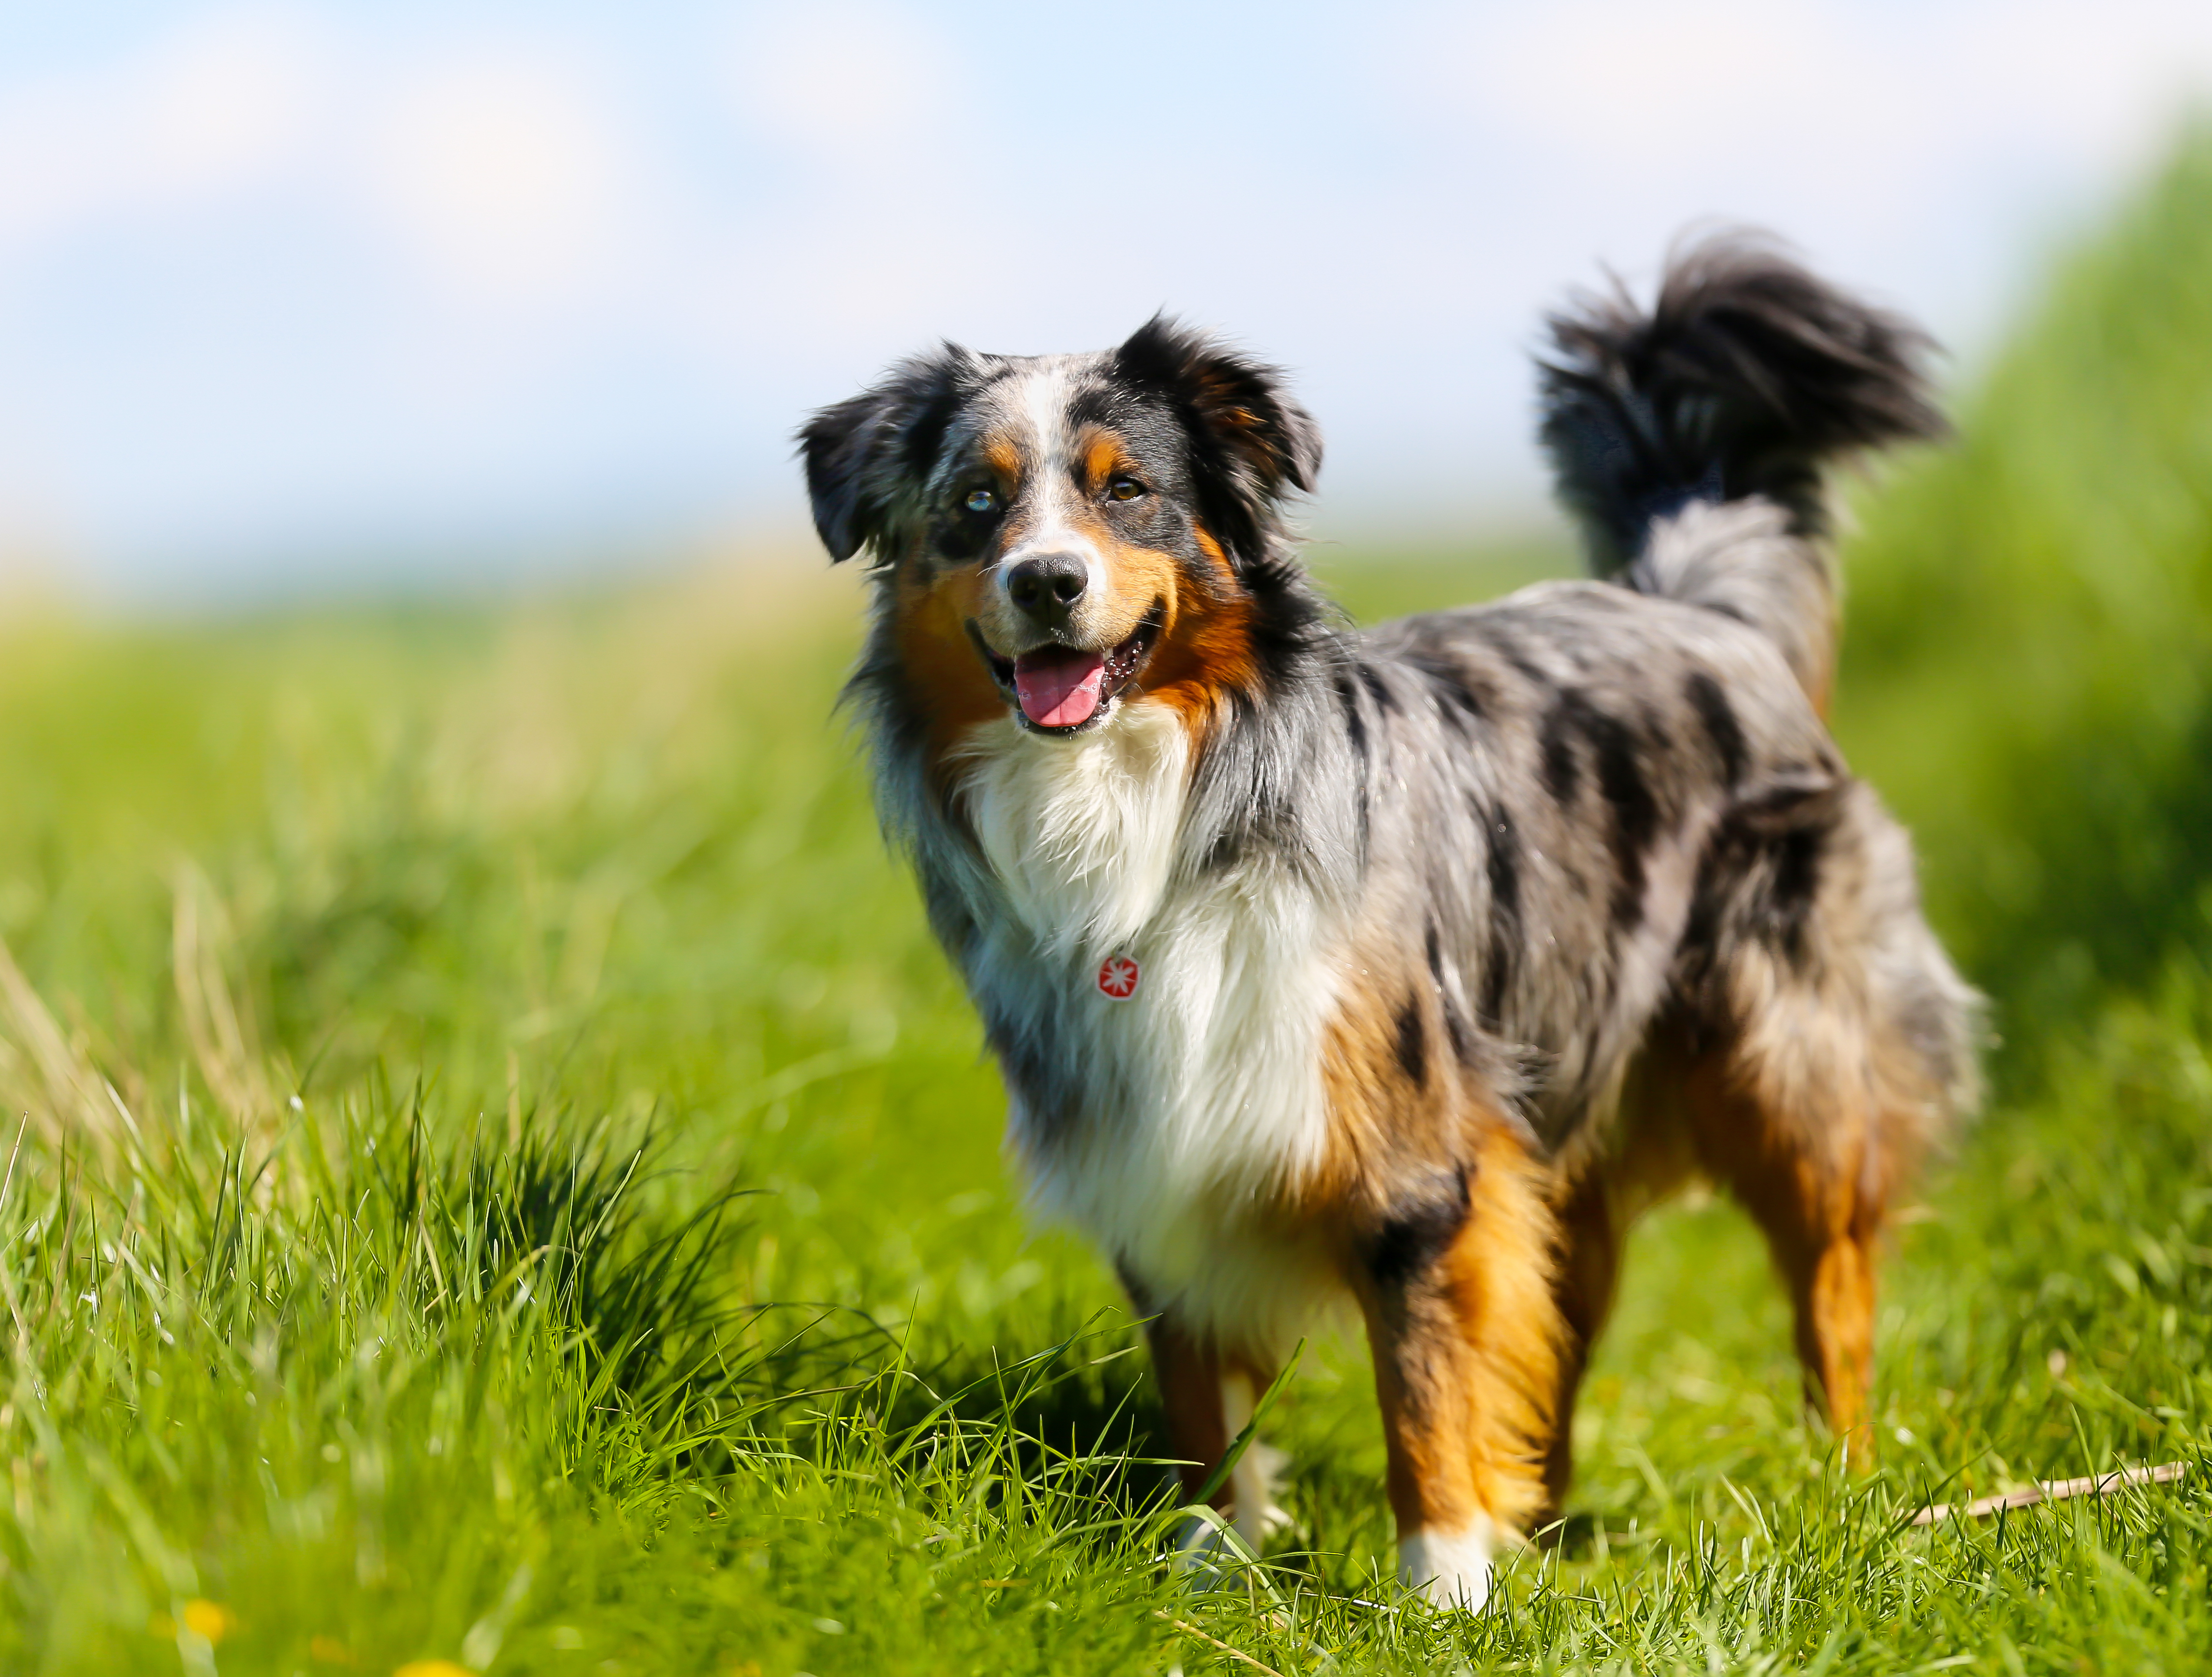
(1451, 1568)
(1206, 1555)
(1254, 1478)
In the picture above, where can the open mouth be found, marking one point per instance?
(1058, 690)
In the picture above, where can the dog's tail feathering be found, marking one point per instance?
(1689, 440)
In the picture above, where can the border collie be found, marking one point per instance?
(1405, 966)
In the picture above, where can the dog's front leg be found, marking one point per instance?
(1465, 1335)
(1208, 1399)
(1190, 1373)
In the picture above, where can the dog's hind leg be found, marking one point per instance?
(1838, 1043)
(1830, 1042)
(1807, 1179)
(1590, 1241)
(1460, 1314)
(1597, 1198)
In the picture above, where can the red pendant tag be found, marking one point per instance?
(1117, 978)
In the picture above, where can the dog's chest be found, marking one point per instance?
(1178, 1008)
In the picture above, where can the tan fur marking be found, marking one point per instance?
(1590, 1240)
(1466, 1354)
(1103, 459)
(1467, 1359)
(1367, 1101)
(949, 682)
(1206, 649)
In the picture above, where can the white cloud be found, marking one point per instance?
(844, 80)
(2103, 84)
(505, 175)
(1857, 96)
(223, 107)
(399, 258)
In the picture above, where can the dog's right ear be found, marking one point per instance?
(867, 457)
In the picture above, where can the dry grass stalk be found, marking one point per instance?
(224, 1042)
(76, 1097)
(2054, 1490)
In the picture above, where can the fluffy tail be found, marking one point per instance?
(1689, 440)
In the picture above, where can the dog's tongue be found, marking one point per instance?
(1059, 687)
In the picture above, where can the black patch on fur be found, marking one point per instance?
(1507, 647)
(1635, 811)
(1615, 750)
(1758, 877)
(1450, 685)
(924, 432)
(1501, 859)
(1503, 862)
(1555, 738)
(1413, 1043)
(959, 535)
(1413, 1236)
(1797, 858)
(1377, 688)
(1721, 729)
(1354, 723)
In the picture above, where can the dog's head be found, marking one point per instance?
(1059, 533)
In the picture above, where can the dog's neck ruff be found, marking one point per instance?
(1080, 833)
(1152, 1121)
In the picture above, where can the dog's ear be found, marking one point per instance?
(868, 456)
(1251, 445)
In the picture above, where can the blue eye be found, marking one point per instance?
(980, 501)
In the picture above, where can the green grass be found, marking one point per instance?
(505, 1177)
(2029, 660)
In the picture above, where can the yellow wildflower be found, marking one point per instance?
(211, 1620)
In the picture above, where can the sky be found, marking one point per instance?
(308, 297)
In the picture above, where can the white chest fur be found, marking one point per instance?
(1208, 1098)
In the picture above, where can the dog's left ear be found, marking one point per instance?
(868, 456)
(1251, 445)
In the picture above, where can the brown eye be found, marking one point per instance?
(1124, 489)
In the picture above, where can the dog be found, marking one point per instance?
(1406, 967)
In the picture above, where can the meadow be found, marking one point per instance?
(499, 1179)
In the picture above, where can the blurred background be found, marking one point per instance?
(297, 300)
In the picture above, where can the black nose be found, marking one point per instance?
(1047, 586)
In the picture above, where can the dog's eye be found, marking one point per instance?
(980, 500)
(1124, 489)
